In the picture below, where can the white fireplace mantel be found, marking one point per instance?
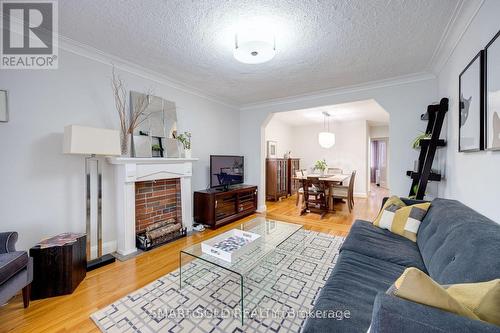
(130, 170)
(148, 160)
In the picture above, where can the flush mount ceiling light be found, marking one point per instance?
(254, 47)
(326, 138)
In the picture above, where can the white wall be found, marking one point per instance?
(379, 131)
(349, 152)
(404, 99)
(472, 178)
(277, 130)
(42, 190)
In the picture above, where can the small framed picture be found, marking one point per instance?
(492, 110)
(4, 112)
(471, 106)
(272, 149)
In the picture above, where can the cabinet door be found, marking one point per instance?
(247, 201)
(225, 205)
(295, 165)
(271, 178)
(278, 177)
(284, 177)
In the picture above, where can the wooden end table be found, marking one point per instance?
(58, 270)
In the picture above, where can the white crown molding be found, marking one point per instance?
(395, 81)
(92, 53)
(464, 13)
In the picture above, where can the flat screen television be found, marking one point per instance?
(226, 170)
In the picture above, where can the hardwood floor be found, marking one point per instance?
(338, 223)
(107, 284)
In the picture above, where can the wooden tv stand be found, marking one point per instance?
(214, 207)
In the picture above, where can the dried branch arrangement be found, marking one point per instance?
(120, 95)
(128, 120)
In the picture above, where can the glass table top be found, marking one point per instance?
(272, 233)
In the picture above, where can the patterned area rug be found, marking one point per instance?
(278, 293)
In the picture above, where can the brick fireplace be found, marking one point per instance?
(158, 212)
(157, 201)
(148, 193)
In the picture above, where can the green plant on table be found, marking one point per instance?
(320, 165)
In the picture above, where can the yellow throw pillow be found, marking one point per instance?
(483, 298)
(392, 201)
(472, 300)
(401, 219)
(416, 286)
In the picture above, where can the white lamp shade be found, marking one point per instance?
(91, 141)
(326, 139)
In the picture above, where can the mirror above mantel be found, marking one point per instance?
(154, 135)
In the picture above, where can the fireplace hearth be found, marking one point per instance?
(158, 216)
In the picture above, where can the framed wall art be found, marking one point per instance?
(492, 88)
(4, 112)
(471, 106)
(272, 149)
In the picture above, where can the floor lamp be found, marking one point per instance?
(92, 142)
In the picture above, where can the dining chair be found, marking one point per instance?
(300, 191)
(334, 171)
(315, 196)
(346, 192)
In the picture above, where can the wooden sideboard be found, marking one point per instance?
(279, 177)
(276, 178)
(215, 207)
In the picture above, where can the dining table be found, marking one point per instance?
(330, 180)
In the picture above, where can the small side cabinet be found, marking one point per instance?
(58, 270)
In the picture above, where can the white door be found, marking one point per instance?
(382, 152)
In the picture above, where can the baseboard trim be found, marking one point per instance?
(360, 195)
(107, 247)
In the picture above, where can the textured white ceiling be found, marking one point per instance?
(368, 110)
(321, 44)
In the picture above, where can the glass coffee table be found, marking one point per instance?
(272, 233)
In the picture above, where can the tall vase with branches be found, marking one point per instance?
(128, 120)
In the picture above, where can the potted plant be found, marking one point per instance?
(321, 166)
(157, 150)
(185, 139)
(420, 137)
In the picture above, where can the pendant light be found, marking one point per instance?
(326, 138)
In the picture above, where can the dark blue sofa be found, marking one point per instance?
(455, 244)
